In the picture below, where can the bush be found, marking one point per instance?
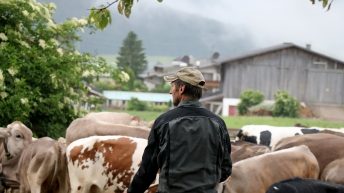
(285, 105)
(248, 99)
(136, 105)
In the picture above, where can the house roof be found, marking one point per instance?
(161, 70)
(276, 48)
(142, 96)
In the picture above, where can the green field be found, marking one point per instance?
(239, 121)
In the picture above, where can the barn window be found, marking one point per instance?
(340, 66)
(319, 65)
(331, 65)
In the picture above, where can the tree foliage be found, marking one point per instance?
(132, 60)
(41, 72)
(101, 16)
(131, 54)
(325, 3)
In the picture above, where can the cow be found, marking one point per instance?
(43, 167)
(334, 172)
(257, 174)
(270, 135)
(242, 150)
(325, 147)
(14, 139)
(299, 185)
(104, 163)
(85, 127)
(116, 118)
(32, 166)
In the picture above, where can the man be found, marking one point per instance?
(188, 144)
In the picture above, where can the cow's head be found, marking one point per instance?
(16, 137)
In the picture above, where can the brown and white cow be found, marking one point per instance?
(104, 163)
(43, 167)
(334, 172)
(258, 173)
(325, 147)
(85, 127)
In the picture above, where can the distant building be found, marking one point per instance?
(119, 99)
(209, 67)
(309, 76)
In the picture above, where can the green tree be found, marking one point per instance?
(131, 56)
(42, 75)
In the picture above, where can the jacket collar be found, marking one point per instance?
(189, 103)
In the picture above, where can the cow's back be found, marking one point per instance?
(256, 174)
(104, 163)
(270, 135)
(334, 172)
(298, 185)
(325, 147)
(86, 127)
(242, 150)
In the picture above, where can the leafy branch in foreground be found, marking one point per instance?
(101, 16)
(325, 3)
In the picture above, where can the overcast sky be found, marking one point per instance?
(271, 22)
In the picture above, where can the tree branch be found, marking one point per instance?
(109, 4)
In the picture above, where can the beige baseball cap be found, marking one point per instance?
(188, 74)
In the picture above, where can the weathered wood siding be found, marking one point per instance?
(304, 75)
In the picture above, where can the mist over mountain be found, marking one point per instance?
(163, 31)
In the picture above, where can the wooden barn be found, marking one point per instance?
(309, 76)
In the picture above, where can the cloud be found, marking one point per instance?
(275, 21)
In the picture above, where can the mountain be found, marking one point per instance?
(163, 31)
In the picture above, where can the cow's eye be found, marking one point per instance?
(18, 136)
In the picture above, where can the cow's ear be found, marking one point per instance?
(4, 132)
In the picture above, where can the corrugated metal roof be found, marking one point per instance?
(142, 96)
(275, 48)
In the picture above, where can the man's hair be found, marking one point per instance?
(193, 92)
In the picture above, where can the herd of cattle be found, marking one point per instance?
(102, 151)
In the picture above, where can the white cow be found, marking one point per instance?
(270, 135)
(104, 164)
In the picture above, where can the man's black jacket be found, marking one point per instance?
(191, 147)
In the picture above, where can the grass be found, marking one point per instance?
(239, 121)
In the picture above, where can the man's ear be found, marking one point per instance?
(182, 89)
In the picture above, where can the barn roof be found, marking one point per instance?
(142, 96)
(276, 48)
